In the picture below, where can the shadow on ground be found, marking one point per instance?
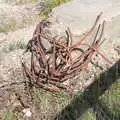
(90, 98)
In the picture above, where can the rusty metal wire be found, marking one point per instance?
(49, 68)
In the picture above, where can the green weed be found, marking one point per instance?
(111, 101)
(89, 115)
(50, 4)
(16, 46)
(8, 116)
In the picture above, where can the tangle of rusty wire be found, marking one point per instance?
(51, 67)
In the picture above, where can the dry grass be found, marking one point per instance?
(21, 1)
(48, 104)
(8, 26)
(12, 24)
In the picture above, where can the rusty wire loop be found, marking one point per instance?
(49, 68)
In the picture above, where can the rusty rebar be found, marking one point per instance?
(56, 64)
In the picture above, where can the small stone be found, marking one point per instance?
(27, 112)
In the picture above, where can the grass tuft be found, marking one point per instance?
(89, 115)
(16, 46)
(13, 46)
(50, 4)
